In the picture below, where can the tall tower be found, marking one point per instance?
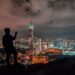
(31, 36)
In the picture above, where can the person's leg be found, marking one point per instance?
(15, 57)
(7, 58)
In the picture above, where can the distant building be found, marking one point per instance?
(51, 45)
(37, 45)
(30, 36)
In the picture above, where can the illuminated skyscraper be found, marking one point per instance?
(30, 36)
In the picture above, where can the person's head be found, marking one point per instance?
(7, 30)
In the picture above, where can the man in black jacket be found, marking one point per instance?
(7, 41)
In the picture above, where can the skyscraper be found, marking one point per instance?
(30, 36)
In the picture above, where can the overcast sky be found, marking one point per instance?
(51, 19)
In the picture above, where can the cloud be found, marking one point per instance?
(39, 13)
(59, 16)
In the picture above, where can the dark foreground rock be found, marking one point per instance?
(64, 66)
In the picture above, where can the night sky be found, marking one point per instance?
(51, 18)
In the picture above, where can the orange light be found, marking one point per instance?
(27, 57)
(37, 59)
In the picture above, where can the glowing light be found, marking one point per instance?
(37, 59)
(69, 52)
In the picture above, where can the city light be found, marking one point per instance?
(35, 50)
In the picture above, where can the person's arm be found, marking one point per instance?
(15, 36)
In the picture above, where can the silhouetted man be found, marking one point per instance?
(8, 45)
